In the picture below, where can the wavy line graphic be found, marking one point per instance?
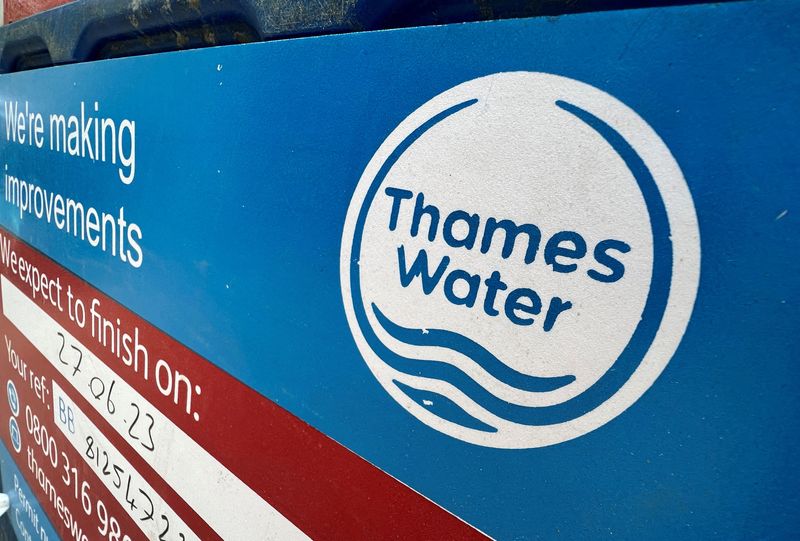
(439, 404)
(470, 349)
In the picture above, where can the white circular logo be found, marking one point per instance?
(520, 260)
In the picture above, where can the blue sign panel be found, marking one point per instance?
(542, 272)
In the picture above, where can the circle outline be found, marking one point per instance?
(361, 203)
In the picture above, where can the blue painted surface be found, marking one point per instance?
(26, 515)
(246, 161)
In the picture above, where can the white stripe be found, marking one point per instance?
(229, 506)
(79, 430)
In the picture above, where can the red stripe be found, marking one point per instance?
(325, 489)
